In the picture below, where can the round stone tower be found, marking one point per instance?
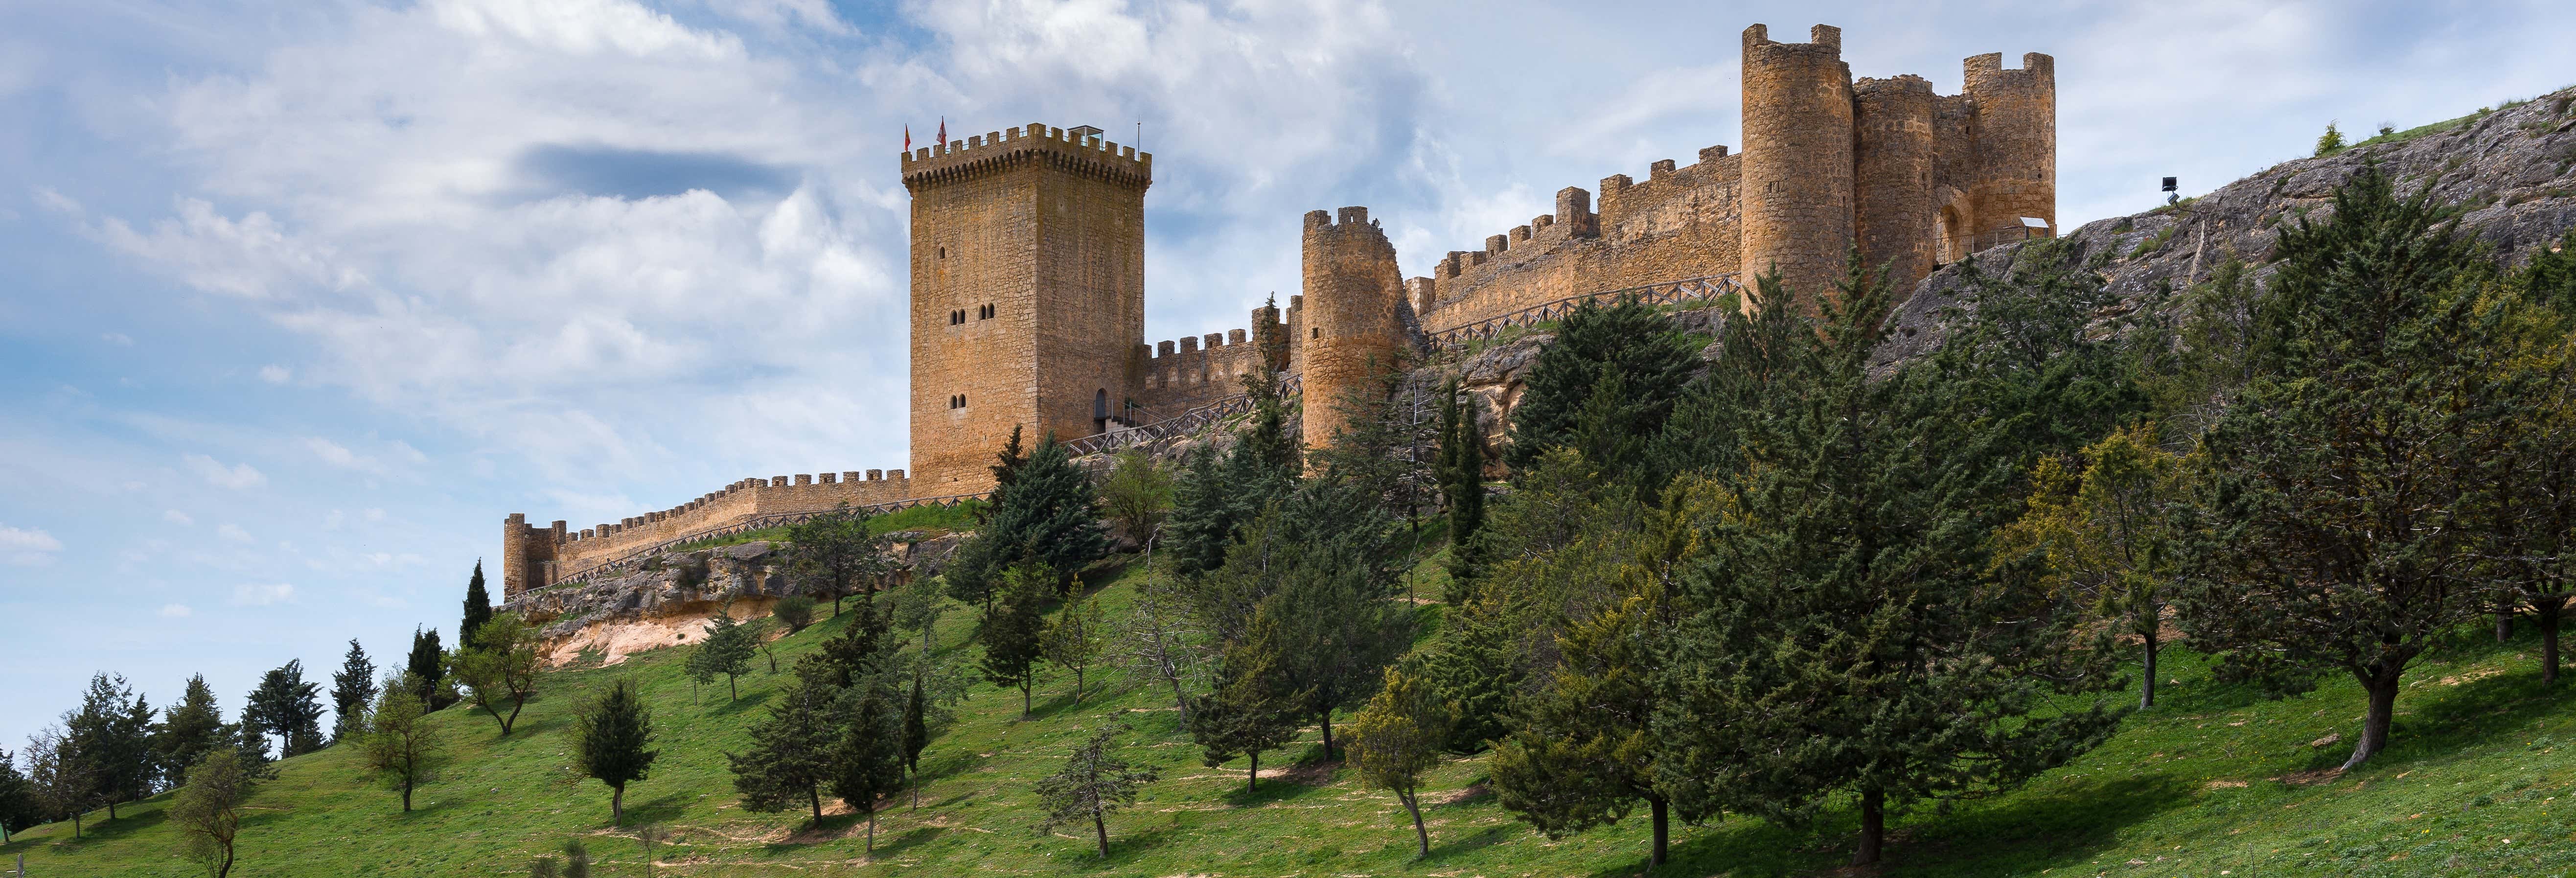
(1353, 293)
(2016, 135)
(1893, 159)
(1797, 172)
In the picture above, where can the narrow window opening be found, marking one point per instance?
(1318, 332)
(943, 252)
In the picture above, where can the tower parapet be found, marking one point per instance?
(1354, 325)
(2016, 145)
(1797, 171)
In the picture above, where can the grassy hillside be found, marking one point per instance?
(2216, 781)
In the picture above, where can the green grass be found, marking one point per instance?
(2206, 784)
(929, 518)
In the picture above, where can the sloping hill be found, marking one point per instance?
(2214, 781)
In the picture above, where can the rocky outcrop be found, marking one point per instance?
(674, 588)
(2511, 172)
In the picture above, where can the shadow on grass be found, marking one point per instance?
(1483, 838)
(734, 706)
(2061, 822)
(1267, 792)
(661, 809)
(893, 843)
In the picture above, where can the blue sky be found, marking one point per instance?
(298, 300)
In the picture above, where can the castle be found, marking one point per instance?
(1028, 279)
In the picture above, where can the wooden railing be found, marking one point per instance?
(757, 522)
(1665, 293)
(1178, 425)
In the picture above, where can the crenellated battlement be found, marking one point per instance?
(534, 557)
(1086, 154)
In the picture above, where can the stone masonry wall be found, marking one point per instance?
(1027, 292)
(536, 557)
(1353, 301)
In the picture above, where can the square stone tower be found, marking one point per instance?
(1028, 293)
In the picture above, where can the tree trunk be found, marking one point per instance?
(1252, 776)
(1180, 699)
(522, 704)
(1101, 827)
(2504, 623)
(1873, 826)
(1328, 734)
(222, 870)
(872, 828)
(617, 805)
(406, 795)
(1025, 682)
(816, 797)
(2548, 609)
(1421, 836)
(76, 816)
(2374, 725)
(731, 692)
(111, 810)
(1663, 832)
(1077, 687)
(2147, 693)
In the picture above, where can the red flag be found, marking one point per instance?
(907, 137)
(943, 129)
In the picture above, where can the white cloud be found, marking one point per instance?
(176, 611)
(177, 517)
(237, 477)
(117, 338)
(28, 547)
(275, 374)
(582, 27)
(234, 533)
(263, 595)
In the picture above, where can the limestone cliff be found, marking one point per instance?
(2512, 171)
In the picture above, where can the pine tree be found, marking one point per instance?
(188, 731)
(1093, 784)
(288, 707)
(1049, 515)
(837, 553)
(916, 734)
(612, 741)
(1244, 717)
(1074, 639)
(112, 733)
(1338, 619)
(790, 760)
(795, 611)
(1626, 339)
(478, 610)
(2331, 490)
(854, 654)
(403, 746)
(1397, 737)
(727, 650)
(868, 756)
(1850, 604)
(352, 688)
(1014, 631)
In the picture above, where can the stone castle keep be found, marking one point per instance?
(1028, 278)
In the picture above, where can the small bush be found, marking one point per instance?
(794, 611)
(2330, 142)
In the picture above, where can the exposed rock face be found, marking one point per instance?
(676, 589)
(2512, 170)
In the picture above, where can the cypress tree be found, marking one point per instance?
(426, 668)
(478, 609)
(1852, 604)
(188, 731)
(1244, 716)
(1014, 631)
(352, 687)
(916, 735)
(612, 741)
(288, 707)
(1461, 472)
(2333, 491)
(1626, 339)
(790, 760)
(868, 756)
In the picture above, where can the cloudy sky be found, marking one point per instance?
(298, 300)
